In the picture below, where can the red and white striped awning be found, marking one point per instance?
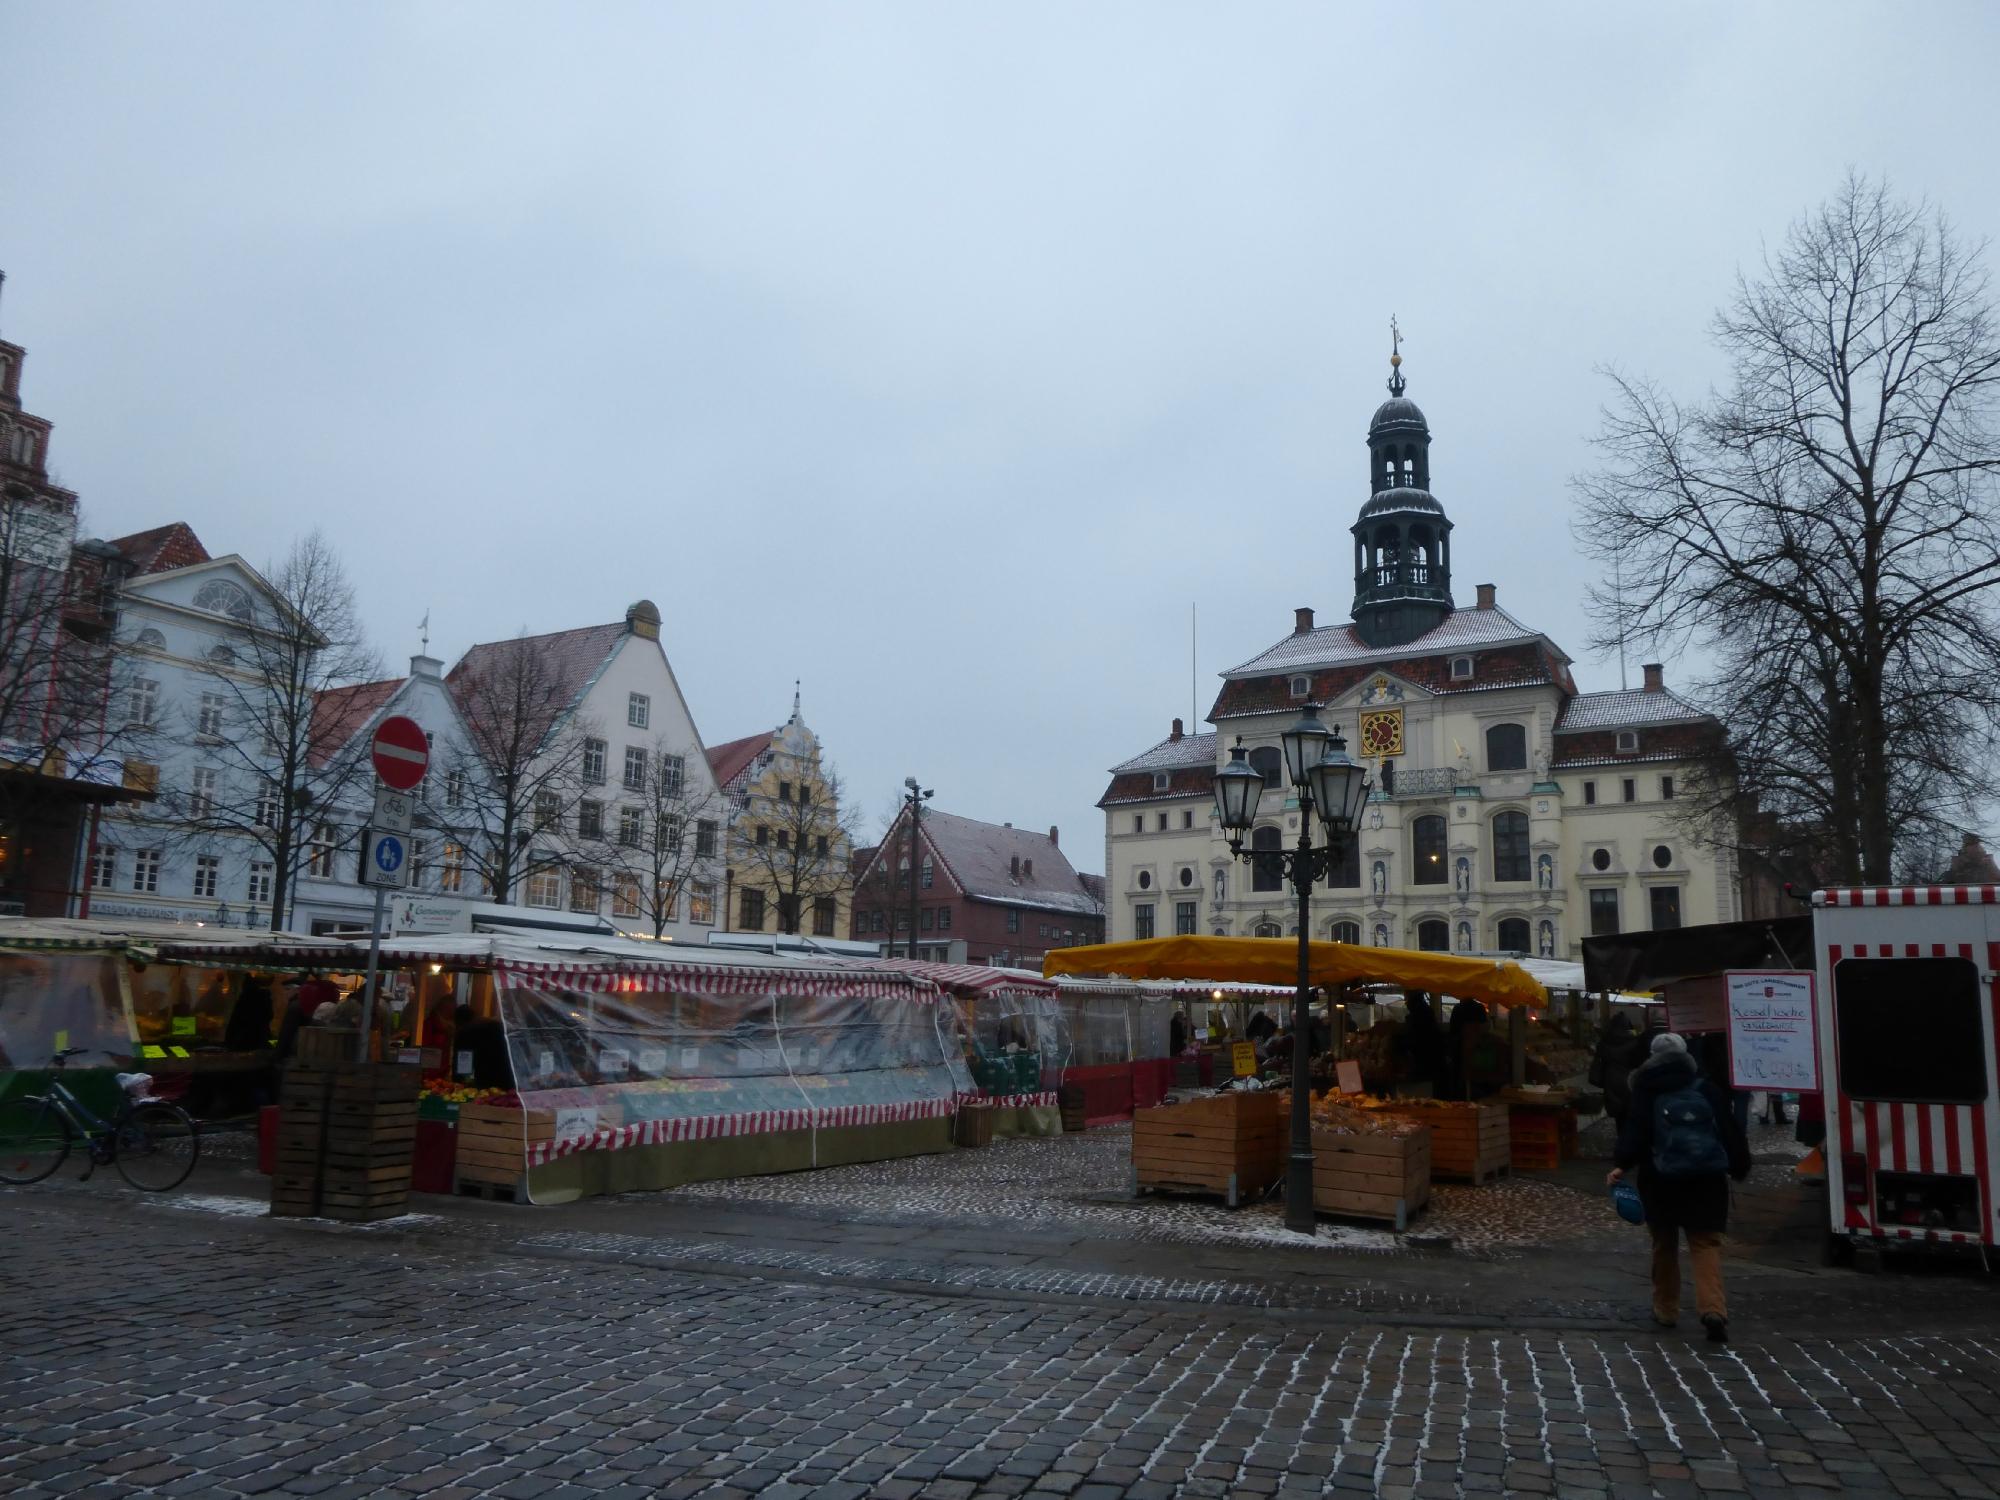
(1909, 895)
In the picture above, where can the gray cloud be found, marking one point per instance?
(937, 355)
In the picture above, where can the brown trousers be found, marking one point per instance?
(1705, 1253)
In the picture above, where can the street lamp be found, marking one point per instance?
(914, 797)
(1336, 788)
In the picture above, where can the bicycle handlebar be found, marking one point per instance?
(57, 1060)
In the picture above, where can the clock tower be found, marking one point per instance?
(1402, 538)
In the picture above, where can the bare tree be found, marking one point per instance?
(1825, 528)
(508, 795)
(658, 840)
(279, 767)
(797, 847)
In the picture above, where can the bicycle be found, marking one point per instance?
(152, 1143)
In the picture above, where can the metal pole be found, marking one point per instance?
(916, 816)
(368, 989)
(1299, 1170)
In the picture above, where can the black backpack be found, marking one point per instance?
(1687, 1138)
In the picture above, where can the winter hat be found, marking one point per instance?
(1668, 1041)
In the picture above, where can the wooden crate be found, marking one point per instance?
(493, 1142)
(1467, 1141)
(324, 1046)
(1230, 1145)
(974, 1126)
(1364, 1176)
(1540, 1138)
(345, 1141)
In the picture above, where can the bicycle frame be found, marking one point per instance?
(79, 1115)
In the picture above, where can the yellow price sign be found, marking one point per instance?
(1243, 1059)
(149, 1050)
(183, 1025)
(62, 1041)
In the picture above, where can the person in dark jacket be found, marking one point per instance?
(1611, 1068)
(492, 1068)
(1684, 1155)
(1421, 1044)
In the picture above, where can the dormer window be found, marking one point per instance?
(1461, 669)
(1628, 742)
(1162, 780)
(1302, 687)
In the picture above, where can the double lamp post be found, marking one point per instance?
(1329, 783)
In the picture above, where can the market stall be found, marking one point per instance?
(637, 1066)
(1464, 1139)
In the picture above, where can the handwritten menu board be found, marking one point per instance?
(1773, 1037)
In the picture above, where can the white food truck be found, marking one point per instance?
(1905, 1006)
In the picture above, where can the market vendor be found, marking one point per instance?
(486, 1042)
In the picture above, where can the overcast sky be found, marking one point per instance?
(939, 355)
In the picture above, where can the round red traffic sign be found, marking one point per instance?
(401, 753)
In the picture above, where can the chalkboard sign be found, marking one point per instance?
(1773, 1036)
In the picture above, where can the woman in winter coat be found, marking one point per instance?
(1681, 1136)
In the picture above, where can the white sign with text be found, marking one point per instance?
(1773, 1037)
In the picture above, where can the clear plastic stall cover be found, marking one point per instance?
(629, 1065)
(1032, 1019)
(1102, 1027)
(49, 1001)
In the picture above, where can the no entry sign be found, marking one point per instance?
(401, 753)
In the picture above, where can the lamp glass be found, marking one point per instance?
(1237, 788)
(1340, 788)
(1304, 743)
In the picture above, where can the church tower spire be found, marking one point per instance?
(1402, 538)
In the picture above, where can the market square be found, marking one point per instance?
(973, 752)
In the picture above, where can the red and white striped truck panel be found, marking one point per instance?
(1951, 1139)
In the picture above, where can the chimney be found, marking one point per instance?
(1014, 868)
(1178, 732)
(426, 666)
(1484, 591)
(1027, 869)
(1656, 681)
(1053, 839)
(1302, 620)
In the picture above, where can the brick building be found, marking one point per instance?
(984, 893)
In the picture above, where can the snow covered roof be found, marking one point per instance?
(1339, 645)
(1172, 753)
(1625, 707)
(992, 862)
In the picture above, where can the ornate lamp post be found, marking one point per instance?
(1329, 783)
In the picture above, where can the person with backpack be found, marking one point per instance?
(1682, 1137)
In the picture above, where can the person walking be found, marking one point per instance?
(1611, 1069)
(1681, 1136)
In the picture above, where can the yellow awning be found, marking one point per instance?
(1276, 961)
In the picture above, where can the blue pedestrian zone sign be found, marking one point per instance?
(384, 857)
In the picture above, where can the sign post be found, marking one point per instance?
(401, 755)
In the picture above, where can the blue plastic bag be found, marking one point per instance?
(1625, 1198)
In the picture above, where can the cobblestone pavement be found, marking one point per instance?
(213, 1353)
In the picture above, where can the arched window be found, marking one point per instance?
(1347, 932)
(1434, 936)
(1510, 846)
(1269, 762)
(150, 637)
(1514, 935)
(1268, 873)
(1427, 861)
(1267, 929)
(220, 596)
(1507, 748)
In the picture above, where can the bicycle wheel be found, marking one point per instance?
(154, 1147)
(34, 1139)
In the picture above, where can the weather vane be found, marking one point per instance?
(1395, 357)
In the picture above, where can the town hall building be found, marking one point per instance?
(1510, 812)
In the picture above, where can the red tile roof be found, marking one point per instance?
(163, 548)
(339, 714)
(728, 761)
(573, 658)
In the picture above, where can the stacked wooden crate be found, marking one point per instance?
(1542, 1129)
(1231, 1145)
(1467, 1140)
(346, 1137)
(493, 1148)
(1372, 1174)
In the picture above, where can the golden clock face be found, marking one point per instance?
(1382, 732)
